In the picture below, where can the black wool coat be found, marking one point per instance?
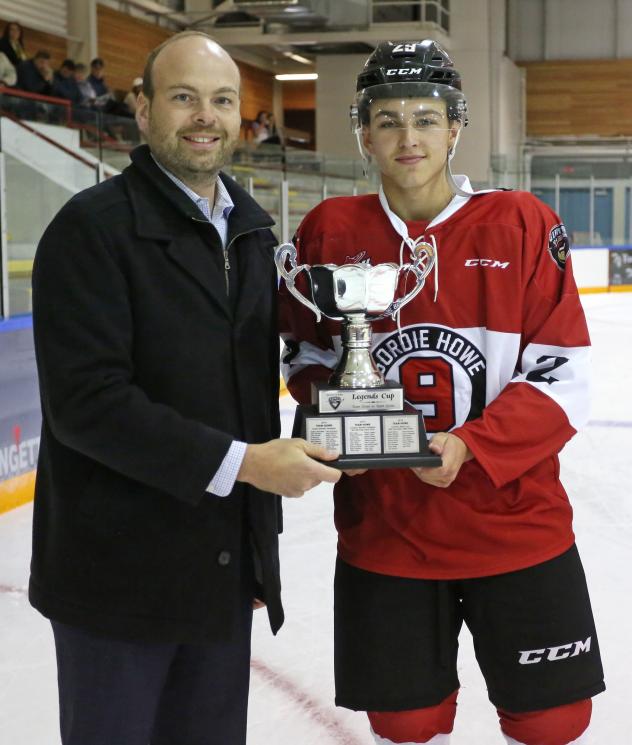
(148, 370)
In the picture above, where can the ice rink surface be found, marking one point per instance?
(291, 699)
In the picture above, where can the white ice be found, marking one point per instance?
(292, 681)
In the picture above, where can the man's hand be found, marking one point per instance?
(454, 453)
(287, 466)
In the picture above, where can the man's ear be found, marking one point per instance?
(142, 113)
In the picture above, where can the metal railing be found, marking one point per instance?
(407, 11)
(33, 105)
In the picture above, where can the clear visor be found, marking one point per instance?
(422, 106)
(386, 114)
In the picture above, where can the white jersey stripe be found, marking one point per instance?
(308, 354)
(563, 374)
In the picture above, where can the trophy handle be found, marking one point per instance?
(288, 251)
(422, 264)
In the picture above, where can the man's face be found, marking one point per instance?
(96, 71)
(409, 140)
(192, 122)
(43, 65)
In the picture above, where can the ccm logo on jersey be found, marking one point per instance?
(493, 263)
(553, 654)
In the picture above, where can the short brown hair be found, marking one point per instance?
(148, 83)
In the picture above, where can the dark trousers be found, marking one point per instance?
(114, 692)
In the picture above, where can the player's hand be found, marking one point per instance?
(454, 453)
(256, 604)
(287, 466)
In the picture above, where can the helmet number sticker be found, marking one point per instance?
(404, 49)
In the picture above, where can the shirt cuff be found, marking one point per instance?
(224, 480)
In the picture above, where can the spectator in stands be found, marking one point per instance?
(36, 75)
(97, 81)
(260, 127)
(65, 85)
(12, 43)
(131, 98)
(88, 94)
(274, 137)
(105, 100)
(8, 75)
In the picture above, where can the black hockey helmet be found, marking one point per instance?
(416, 69)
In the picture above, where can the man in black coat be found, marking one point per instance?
(36, 75)
(156, 517)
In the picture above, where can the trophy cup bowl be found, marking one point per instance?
(356, 295)
(393, 433)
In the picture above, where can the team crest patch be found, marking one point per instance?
(559, 246)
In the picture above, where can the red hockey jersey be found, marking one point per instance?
(495, 349)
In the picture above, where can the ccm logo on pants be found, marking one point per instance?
(553, 654)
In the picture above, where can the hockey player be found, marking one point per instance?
(494, 352)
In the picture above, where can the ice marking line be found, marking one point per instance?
(8, 590)
(312, 707)
(609, 423)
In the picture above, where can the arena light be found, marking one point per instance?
(297, 76)
(298, 58)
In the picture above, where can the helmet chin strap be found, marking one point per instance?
(366, 158)
(448, 170)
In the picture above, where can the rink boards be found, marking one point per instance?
(596, 269)
(20, 416)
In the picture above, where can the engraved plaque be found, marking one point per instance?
(326, 432)
(363, 435)
(401, 433)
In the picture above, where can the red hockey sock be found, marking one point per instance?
(560, 725)
(415, 725)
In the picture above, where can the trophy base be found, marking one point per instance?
(375, 439)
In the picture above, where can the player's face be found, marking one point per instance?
(192, 122)
(410, 140)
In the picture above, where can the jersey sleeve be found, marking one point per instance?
(547, 400)
(308, 354)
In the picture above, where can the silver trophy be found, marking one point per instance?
(358, 412)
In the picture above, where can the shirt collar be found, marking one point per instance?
(223, 203)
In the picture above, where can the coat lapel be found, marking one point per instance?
(255, 255)
(196, 260)
(160, 216)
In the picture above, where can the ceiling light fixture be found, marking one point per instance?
(297, 76)
(297, 58)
